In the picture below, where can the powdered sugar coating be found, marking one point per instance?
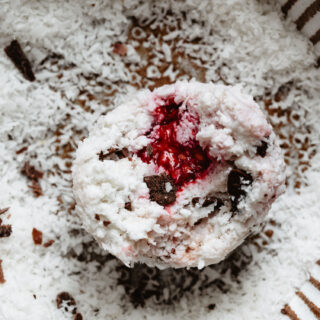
(185, 234)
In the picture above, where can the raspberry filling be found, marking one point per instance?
(174, 147)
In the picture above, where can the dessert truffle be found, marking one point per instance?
(178, 177)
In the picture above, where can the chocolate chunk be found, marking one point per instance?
(113, 154)
(65, 296)
(31, 172)
(17, 56)
(2, 279)
(36, 236)
(128, 206)
(262, 149)
(5, 231)
(158, 191)
(237, 179)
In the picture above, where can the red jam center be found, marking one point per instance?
(173, 146)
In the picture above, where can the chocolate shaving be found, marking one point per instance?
(106, 223)
(19, 59)
(23, 149)
(49, 243)
(237, 179)
(113, 154)
(65, 297)
(36, 236)
(5, 231)
(262, 149)
(157, 189)
(2, 279)
(128, 206)
(31, 172)
(36, 188)
(4, 210)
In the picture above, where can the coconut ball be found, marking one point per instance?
(178, 177)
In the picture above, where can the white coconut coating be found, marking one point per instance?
(113, 199)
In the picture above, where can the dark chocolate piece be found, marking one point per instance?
(237, 179)
(262, 149)
(128, 206)
(157, 188)
(5, 231)
(17, 56)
